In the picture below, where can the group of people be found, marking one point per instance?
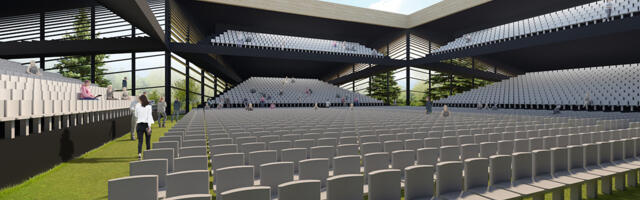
(429, 108)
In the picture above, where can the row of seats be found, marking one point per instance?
(163, 175)
(569, 18)
(289, 91)
(292, 43)
(275, 158)
(24, 96)
(607, 88)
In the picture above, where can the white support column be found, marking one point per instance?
(24, 127)
(9, 129)
(74, 120)
(36, 125)
(80, 119)
(65, 121)
(57, 122)
(48, 124)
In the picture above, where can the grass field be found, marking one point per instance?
(85, 177)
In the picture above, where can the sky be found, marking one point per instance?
(396, 6)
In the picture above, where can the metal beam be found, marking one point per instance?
(212, 65)
(78, 47)
(440, 67)
(273, 53)
(138, 14)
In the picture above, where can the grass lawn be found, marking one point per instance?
(84, 177)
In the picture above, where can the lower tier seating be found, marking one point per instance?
(346, 154)
(604, 88)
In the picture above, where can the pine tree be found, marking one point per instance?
(379, 90)
(442, 86)
(79, 67)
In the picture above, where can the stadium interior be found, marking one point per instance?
(319, 99)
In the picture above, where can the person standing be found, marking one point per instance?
(429, 105)
(445, 111)
(356, 101)
(587, 101)
(176, 109)
(162, 112)
(143, 125)
(608, 8)
(124, 82)
(134, 118)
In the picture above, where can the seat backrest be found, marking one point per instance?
(576, 157)
(191, 163)
(559, 159)
(375, 161)
(500, 169)
(133, 187)
(275, 173)
(164, 153)
(427, 156)
(522, 166)
(541, 162)
(345, 186)
(156, 167)
(226, 160)
(315, 168)
(187, 182)
(604, 152)
(301, 189)
(349, 164)
(384, 184)
(419, 182)
(229, 178)
(475, 173)
(449, 177)
(252, 192)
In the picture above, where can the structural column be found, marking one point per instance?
(202, 85)
(167, 58)
(133, 74)
(188, 91)
(407, 69)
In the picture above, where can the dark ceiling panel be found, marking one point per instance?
(620, 48)
(21, 7)
(216, 18)
(254, 66)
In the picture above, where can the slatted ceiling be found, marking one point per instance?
(20, 28)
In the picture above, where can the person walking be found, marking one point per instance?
(162, 112)
(428, 105)
(134, 118)
(143, 111)
(177, 105)
(587, 101)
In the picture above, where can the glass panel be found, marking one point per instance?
(149, 78)
(116, 62)
(147, 60)
(153, 94)
(177, 80)
(116, 79)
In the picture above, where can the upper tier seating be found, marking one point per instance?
(574, 17)
(293, 93)
(292, 43)
(24, 96)
(610, 87)
(393, 149)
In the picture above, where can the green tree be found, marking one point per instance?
(181, 94)
(379, 90)
(153, 96)
(442, 86)
(79, 67)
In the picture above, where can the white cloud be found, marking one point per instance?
(395, 6)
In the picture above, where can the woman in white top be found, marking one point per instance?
(143, 123)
